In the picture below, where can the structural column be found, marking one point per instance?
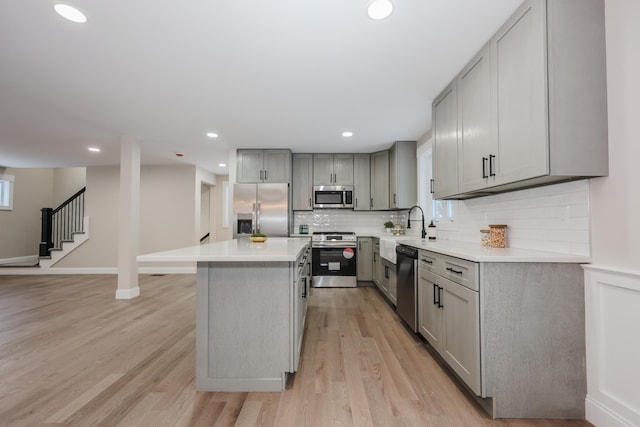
(129, 219)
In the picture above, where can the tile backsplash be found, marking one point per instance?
(552, 218)
(357, 221)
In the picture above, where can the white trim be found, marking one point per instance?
(128, 293)
(612, 304)
(8, 271)
(609, 270)
(20, 259)
(601, 416)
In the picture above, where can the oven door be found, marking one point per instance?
(334, 267)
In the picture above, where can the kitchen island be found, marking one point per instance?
(251, 306)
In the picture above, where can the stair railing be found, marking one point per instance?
(59, 224)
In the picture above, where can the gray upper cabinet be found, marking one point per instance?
(361, 182)
(333, 169)
(445, 143)
(477, 145)
(546, 119)
(403, 173)
(256, 166)
(380, 180)
(302, 183)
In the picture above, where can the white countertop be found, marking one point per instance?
(477, 253)
(274, 249)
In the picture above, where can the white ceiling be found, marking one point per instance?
(263, 74)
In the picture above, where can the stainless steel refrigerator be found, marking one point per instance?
(260, 208)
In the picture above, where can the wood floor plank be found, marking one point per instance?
(72, 355)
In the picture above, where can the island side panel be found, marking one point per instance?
(533, 339)
(243, 327)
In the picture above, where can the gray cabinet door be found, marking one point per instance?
(343, 169)
(365, 258)
(445, 143)
(462, 332)
(249, 166)
(377, 262)
(361, 185)
(323, 169)
(380, 180)
(277, 166)
(519, 56)
(430, 314)
(301, 183)
(403, 175)
(477, 147)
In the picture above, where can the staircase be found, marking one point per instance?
(63, 230)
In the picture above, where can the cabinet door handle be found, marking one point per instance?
(356, 202)
(371, 203)
(309, 201)
(431, 185)
(265, 175)
(261, 178)
(304, 292)
(386, 272)
(440, 304)
(484, 167)
(436, 295)
(453, 271)
(491, 172)
(394, 198)
(335, 178)
(359, 246)
(427, 261)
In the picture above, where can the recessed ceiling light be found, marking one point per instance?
(380, 9)
(347, 134)
(222, 165)
(94, 149)
(212, 134)
(70, 13)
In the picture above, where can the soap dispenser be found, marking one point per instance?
(431, 231)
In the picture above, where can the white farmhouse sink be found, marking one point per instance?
(388, 249)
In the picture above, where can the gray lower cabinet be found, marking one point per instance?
(365, 259)
(302, 182)
(512, 332)
(389, 280)
(377, 262)
(380, 180)
(258, 310)
(361, 182)
(257, 166)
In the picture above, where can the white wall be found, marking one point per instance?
(67, 182)
(167, 213)
(613, 282)
(20, 227)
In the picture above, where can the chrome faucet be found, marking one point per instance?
(424, 231)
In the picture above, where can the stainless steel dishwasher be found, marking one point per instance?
(407, 272)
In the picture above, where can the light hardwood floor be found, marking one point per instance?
(70, 354)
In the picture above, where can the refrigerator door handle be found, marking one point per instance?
(258, 218)
(254, 218)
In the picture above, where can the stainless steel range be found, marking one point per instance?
(333, 260)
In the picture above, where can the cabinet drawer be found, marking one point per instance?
(460, 271)
(428, 261)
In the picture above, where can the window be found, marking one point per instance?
(443, 212)
(6, 192)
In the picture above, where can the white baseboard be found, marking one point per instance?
(601, 416)
(28, 259)
(18, 271)
(128, 293)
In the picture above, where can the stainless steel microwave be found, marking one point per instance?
(333, 196)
